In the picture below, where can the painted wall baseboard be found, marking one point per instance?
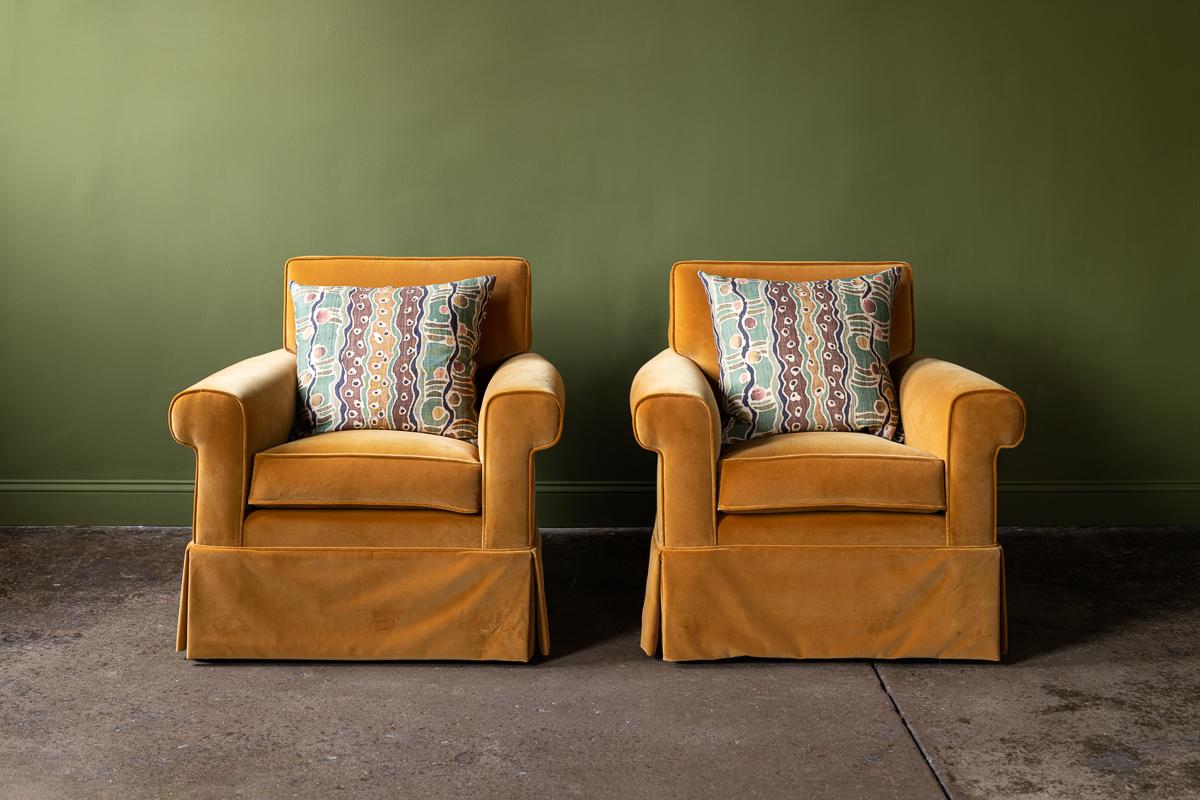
(598, 503)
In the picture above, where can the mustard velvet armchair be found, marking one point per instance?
(370, 544)
(822, 545)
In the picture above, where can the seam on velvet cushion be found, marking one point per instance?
(398, 456)
(354, 549)
(333, 504)
(834, 506)
(865, 457)
(898, 547)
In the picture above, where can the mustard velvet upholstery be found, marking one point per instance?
(226, 419)
(521, 413)
(353, 603)
(832, 528)
(827, 470)
(965, 419)
(361, 527)
(675, 414)
(401, 469)
(822, 545)
(369, 544)
(833, 601)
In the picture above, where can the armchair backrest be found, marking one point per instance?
(690, 330)
(506, 329)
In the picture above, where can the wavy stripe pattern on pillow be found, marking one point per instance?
(389, 358)
(805, 356)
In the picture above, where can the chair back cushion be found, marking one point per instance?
(506, 330)
(389, 358)
(805, 355)
(690, 329)
(370, 469)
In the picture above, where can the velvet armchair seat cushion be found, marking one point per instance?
(392, 469)
(827, 470)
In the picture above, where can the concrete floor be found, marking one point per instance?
(1099, 696)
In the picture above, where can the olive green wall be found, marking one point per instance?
(1038, 163)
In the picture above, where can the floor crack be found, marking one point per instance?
(912, 734)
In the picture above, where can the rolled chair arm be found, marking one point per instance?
(675, 414)
(227, 418)
(965, 419)
(521, 413)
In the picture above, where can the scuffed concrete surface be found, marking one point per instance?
(96, 703)
(1100, 693)
(1099, 697)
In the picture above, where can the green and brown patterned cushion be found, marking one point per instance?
(392, 358)
(805, 356)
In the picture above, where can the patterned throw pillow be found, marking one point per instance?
(809, 356)
(393, 358)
